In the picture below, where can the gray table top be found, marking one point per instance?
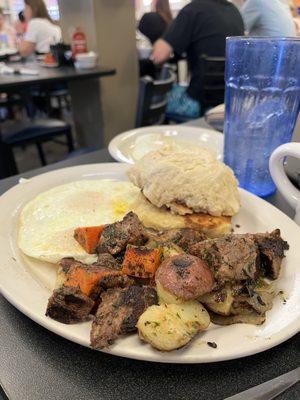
(37, 364)
(50, 75)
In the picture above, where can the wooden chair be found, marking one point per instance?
(152, 101)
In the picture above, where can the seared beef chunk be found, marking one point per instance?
(252, 317)
(242, 257)
(112, 280)
(69, 305)
(119, 312)
(68, 262)
(93, 279)
(232, 257)
(104, 260)
(271, 247)
(79, 287)
(183, 237)
(185, 276)
(115, 237)
(108, 261)
(119, 257)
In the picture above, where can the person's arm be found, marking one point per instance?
(177, 37)
(161, 52)
(251, 14)
(27, 46)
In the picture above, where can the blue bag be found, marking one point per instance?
(180, 103)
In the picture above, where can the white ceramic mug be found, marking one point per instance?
(289, 192)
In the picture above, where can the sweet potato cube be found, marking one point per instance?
(141, 262)
(88, 237)
(88, 279)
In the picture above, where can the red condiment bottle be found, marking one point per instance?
(79, 44)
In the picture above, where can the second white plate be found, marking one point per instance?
(130, 146)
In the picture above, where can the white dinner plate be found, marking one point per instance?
(28, 284)
(130, 146)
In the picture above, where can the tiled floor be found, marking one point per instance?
(27, 158)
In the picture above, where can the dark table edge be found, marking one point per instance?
(13, 180)
(80, 76)
(3, 394)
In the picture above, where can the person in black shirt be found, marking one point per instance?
(154, 24)
(201, 27)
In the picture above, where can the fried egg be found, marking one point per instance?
(47, 223)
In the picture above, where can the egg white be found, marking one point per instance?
(47, 223)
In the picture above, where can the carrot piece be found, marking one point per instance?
(87, 279)
(88, 237)
(141, 262)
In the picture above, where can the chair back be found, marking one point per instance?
(213, 73)
(153, 99)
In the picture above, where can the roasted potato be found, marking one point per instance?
(192, 313)
(166, 297)
(219, 301)
(252, 318)
(185, 276)
(168, 327)
(170, 250)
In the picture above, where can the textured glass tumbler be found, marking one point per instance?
(262, 105)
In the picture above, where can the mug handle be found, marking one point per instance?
(286, 188)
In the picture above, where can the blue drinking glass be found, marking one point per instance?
(262, 105)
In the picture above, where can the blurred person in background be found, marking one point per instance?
(268, 18)
(7, 32)
(201, 27)
(154, 24)
(20, 25)
(238, 3)
(295, 15)
(41, 31)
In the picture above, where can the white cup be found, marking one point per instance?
(289, 192)
(86, 60)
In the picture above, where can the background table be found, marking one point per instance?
(50, 75)
(84, 90)
(37, 364)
